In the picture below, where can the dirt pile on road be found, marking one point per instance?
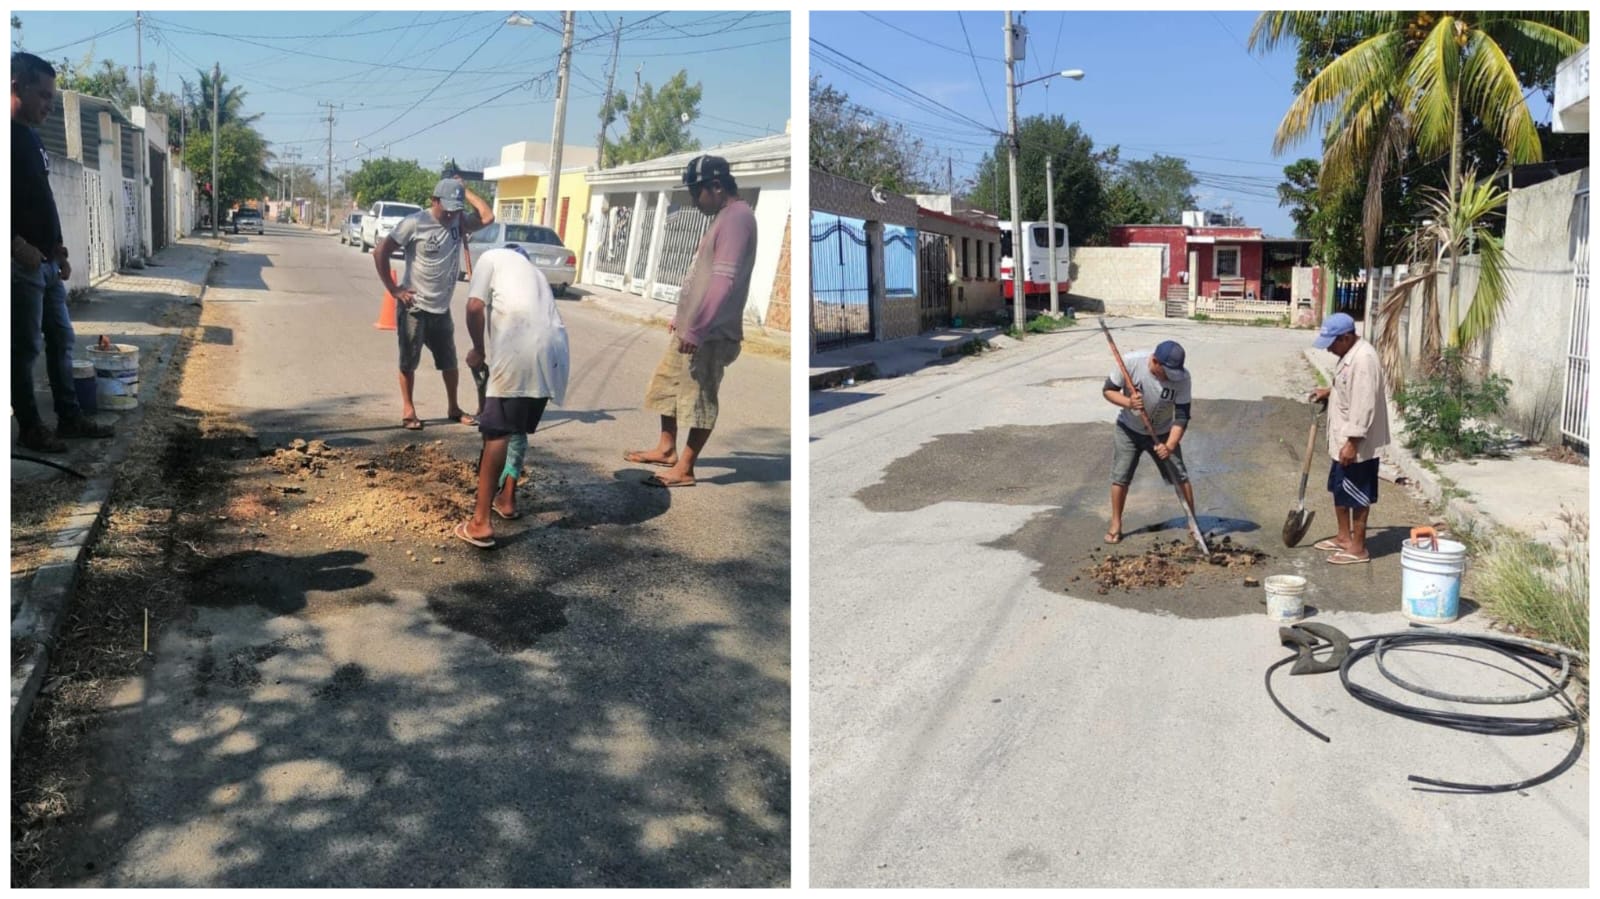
(1168, 565)
(344, 496)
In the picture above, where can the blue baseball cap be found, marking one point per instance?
(1333, 327)
(1170, 354)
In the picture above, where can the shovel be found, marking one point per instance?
(1299, 520)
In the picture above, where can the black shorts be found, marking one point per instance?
(1354, 486)
(435, 330)
(503, 416)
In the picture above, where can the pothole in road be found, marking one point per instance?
(1170, 565)
(1244, 458)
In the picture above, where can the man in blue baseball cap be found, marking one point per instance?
(1358, 428)
(1162, 389)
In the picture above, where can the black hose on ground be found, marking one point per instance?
(72, 471)
(1531, 655)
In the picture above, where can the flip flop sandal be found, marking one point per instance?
(1328, 546)
(411, 424)
(503, 516)
(1343, 558)
(637, 458)
(465, 419)
(657, 481)
(479, 542)
(1113, 537)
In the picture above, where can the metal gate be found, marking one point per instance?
(841, 289)
(102, 239)
(159, 235)
(1575, 399)
(615, 229)
(680, 237)
(647, 236)
(934, 278)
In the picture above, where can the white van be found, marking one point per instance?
(381, 219)
(1036, 259)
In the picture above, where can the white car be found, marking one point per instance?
(380, 219)
(544, 247)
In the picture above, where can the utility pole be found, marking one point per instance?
(1050, 213)
(216, 188)
(611, 77)
(138, 30)
(327, 199)
(950, 179)
(638, 72)
(1019, 275)
(556, 131)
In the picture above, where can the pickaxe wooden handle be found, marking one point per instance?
(1127, 386)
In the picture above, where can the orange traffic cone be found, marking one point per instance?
(386, 321)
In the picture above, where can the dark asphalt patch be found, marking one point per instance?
(347, 679)
(508, 619)
(1244, 459)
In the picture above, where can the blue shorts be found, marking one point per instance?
(1353, 486)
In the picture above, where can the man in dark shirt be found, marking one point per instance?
(39, 267)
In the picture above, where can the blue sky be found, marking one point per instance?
(1178, 83)
(290, 61)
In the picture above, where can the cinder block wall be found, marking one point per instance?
(1117, 281)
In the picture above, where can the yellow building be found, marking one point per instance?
(522, 189)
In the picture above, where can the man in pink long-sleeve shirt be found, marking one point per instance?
(709, 327)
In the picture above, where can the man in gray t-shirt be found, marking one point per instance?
(1162, 389)
(431, 241)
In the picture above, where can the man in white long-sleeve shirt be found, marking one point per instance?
(1358, 428)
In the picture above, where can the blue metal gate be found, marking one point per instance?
(899, 261)
(841, 292)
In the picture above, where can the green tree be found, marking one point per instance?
(658, 125)
(849, 141)
(1413, 81)
(230, 103)
(1330, 220)
(1080, 186)
(241, 157)
(1164, 183)
(1124, 206)
(400, 180)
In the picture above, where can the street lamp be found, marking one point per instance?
(1018, 273)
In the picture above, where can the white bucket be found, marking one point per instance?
(1285, 597)
(116, 373)
(1430, 577)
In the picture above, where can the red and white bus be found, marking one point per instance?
(1036, 259)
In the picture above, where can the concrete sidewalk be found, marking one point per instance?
(756, 338)
(893, 358)
(132, 307)
(1523, 492)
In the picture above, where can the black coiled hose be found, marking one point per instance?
(1533, 656)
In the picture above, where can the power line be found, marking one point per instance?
(112, 30)
(928, 104)
(931, 43)
(487, 38)
(974, 57)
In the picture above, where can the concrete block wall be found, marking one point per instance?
(1117, 281)
(902, 317)
(69, 184)
(1529, 343)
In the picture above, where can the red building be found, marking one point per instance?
(1210, 255)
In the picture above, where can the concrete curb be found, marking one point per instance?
(46, 595)
(756, 338)
(1458, 511)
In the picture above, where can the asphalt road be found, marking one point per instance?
(982, 716)
(604, 701)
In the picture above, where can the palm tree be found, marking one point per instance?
(1405, 84)
(1458, 224)
(228, 109)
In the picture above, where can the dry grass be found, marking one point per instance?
(38, 510)
(1537, 590)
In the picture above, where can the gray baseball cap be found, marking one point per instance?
(452, 194)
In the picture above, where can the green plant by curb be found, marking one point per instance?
(1444, 412)
(1537, 589)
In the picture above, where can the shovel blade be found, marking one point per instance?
(1296, 525)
